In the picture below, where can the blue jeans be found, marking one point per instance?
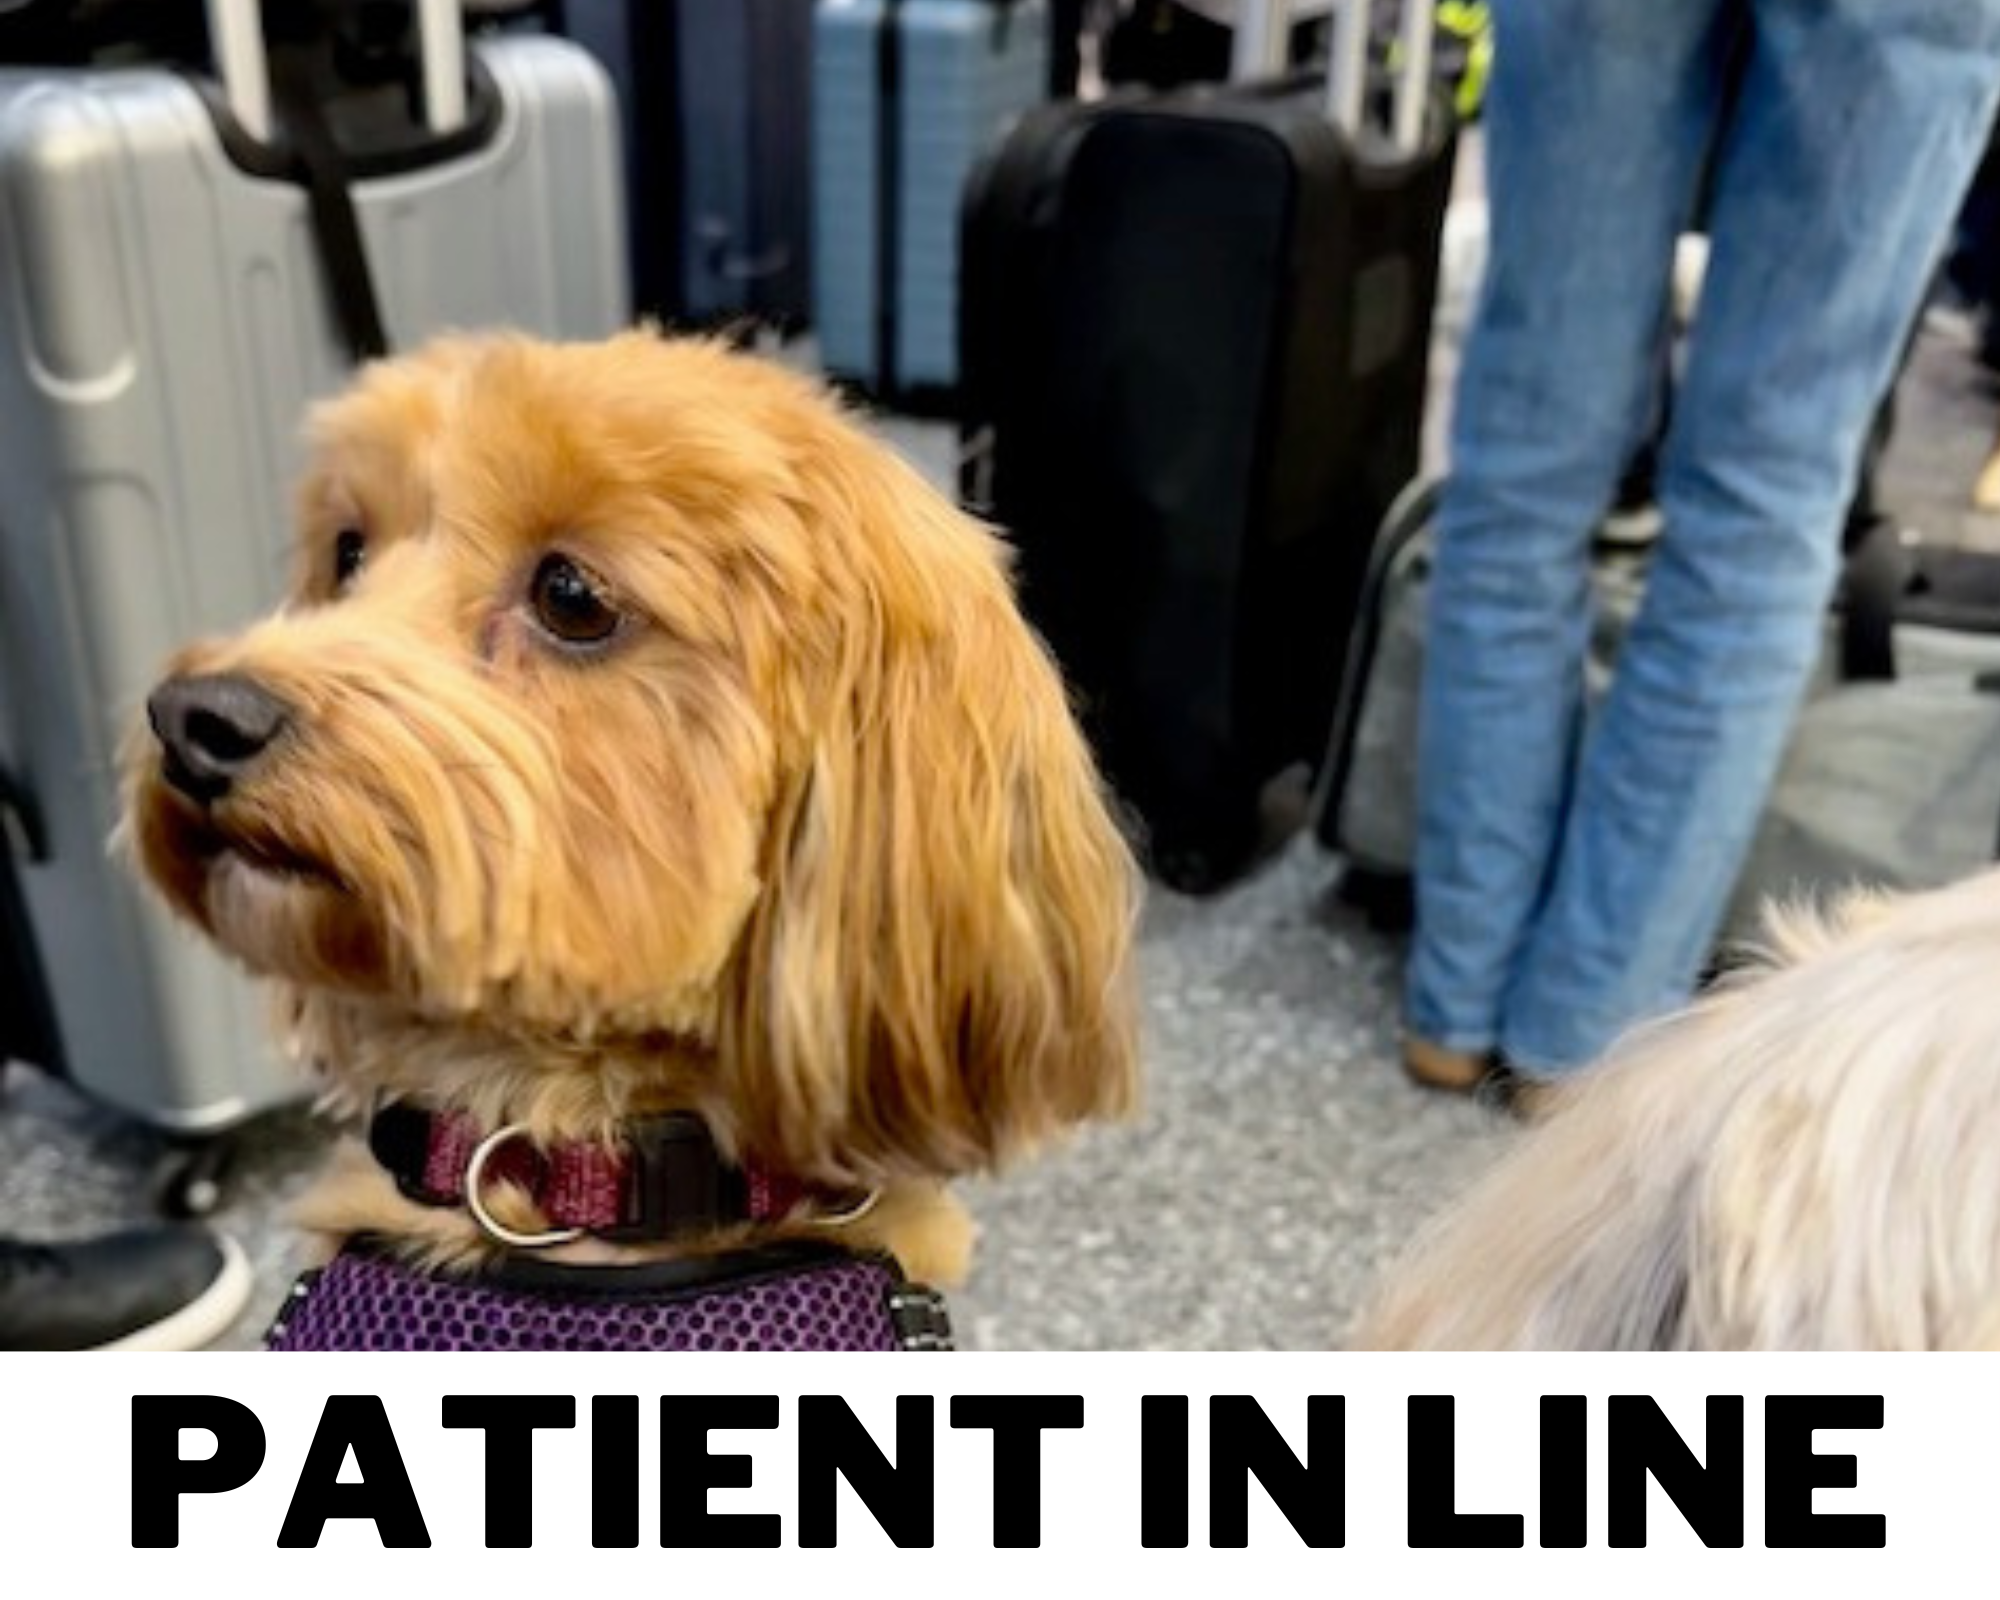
(1572, 870)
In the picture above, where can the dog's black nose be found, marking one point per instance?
(212, 729)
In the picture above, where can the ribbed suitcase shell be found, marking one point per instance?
(969, 69)
(163, 325)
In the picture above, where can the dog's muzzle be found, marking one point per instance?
(213, 729)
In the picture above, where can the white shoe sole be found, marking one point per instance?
(204, 1319)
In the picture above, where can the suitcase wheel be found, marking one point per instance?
(1387, 899)
(1193, 871)
(193, 1183)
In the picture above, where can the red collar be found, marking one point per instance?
(664, 1180)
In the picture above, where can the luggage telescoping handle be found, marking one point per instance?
(441, 37)
(236, 29)
(1263, 32)
(236, 39)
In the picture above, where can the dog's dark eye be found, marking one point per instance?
(568, 606)
(350, 545)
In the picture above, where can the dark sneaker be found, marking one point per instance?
(148, 1288)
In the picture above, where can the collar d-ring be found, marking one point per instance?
(493, 1227)
(853, 1213)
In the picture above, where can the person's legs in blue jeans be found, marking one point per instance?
(1599, 115)
(1856, 133)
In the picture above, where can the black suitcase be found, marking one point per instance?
(1195, 337)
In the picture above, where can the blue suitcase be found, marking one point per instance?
(908, 95)
(714, 97)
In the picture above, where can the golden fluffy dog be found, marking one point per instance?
(639, 736)
(1806, 1158)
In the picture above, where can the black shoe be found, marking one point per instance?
(148, 1288)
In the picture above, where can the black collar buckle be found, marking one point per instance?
(676, 1182)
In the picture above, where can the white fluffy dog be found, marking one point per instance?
(1808, 1157)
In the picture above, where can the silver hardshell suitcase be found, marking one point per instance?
(165, 319)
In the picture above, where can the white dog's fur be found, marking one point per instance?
(1806, 1158)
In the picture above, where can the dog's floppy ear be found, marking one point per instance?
(937, 973)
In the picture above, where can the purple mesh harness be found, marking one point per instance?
(778, 1298)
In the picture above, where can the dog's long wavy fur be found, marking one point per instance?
(1807, 1158)
(813, 847)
